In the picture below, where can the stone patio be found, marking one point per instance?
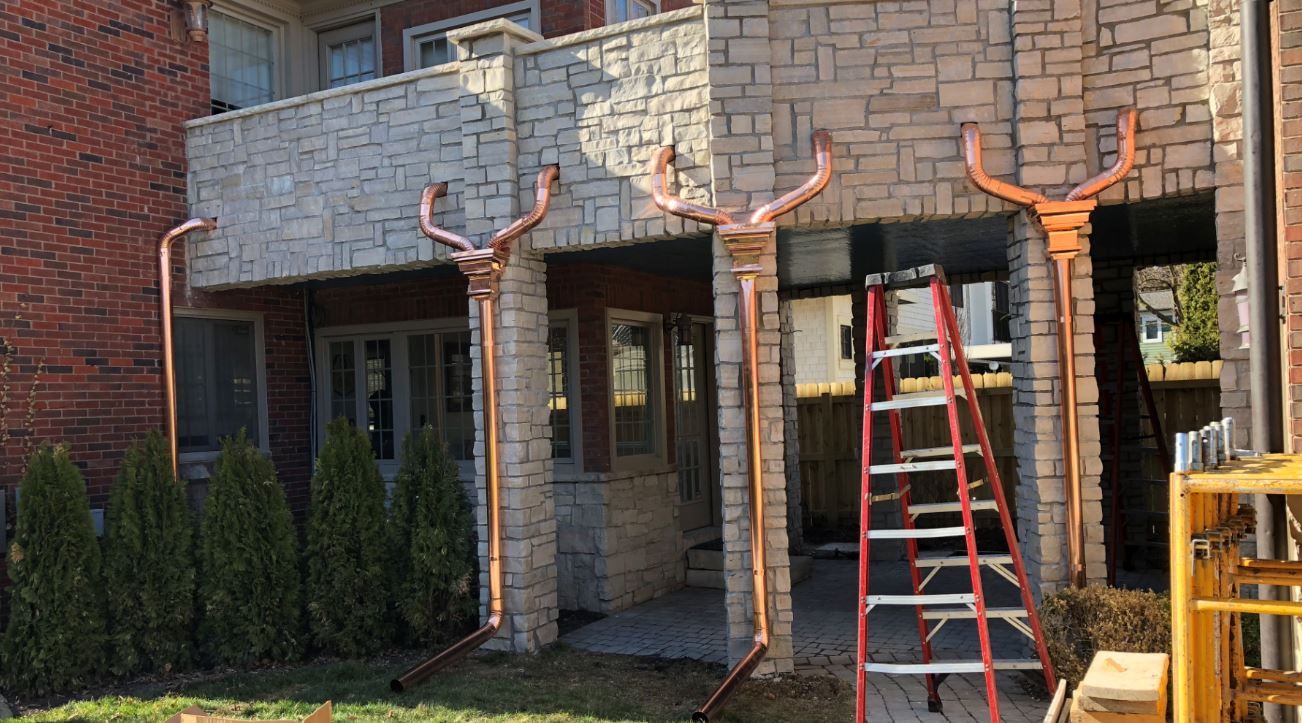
(690, 623)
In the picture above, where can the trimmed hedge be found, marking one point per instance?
(347, 600)
(249, 582)
(55, 638)
(149, 565)
(432, 544)
(1078, 623)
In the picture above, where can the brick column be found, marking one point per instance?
(1049, 142)
(733, 455)
(492, 200)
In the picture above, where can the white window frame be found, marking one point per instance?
(653, 5)
(655, 390)
(280, 46)
(569, 318)
(1144, 319)
(341, 30)
(397, 334)
(260, 373)
(412, 37)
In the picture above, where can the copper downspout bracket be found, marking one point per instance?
(1062, 221)
(746, 243)
(482, 268)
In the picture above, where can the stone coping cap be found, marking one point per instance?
(495, 26)
(1126, 676)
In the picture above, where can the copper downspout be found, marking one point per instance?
(482, 268)
(1062, 221)
(165, 315)
(746, 242)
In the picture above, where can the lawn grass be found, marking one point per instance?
(560, 685)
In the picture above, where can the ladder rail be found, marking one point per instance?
(1005, 518)
(865, 504)
(950, 351)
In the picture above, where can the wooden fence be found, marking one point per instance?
(1187, 397)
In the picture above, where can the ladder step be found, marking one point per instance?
(957, 667)
(970, 614)
(912, 338)
(966, 598)
(961, 560)
(917, 533)
(896, 468)
(907, 351)
(930, 452)
(932, 508)
(934, 398)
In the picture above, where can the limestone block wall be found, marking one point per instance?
(620, 542)
(892, 81)
(325, 184)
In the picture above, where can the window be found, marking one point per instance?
(219, 381)
(847, 342)
(390, 382)
(241, 63)
(348, 55)
(617, 11)
(562, 400)
(1002, 312)
(427, 45)
(635, 368)
(1152, 328)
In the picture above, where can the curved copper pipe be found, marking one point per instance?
(543, 199)
(1126, 118)
(456, 241)
(673, 204)
(982, 180)
(807, 190)
(755, 468)
(165, 316)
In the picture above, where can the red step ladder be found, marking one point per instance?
(933, 611)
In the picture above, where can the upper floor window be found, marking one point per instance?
(348, 55)
(219, 380)
(617, 11)
(241, 62)
(427, 45)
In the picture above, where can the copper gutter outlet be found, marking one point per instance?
(482, 268)
(1062, 222)
(165, 317)
(746, 241)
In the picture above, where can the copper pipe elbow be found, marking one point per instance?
(454, 241)
(1126, 119)
(807, 190)
(542, 202)
(977, 173)
(194, 224)
(670, 203)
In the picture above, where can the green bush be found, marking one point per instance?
(1078, 623)
(249, 584)
(432, 547)
(149, 571)
(1198, 336)
(55, 638)
(347, 604)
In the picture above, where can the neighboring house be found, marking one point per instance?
(824, 339)
(317, 296)
(981, 310)
(1151, 327)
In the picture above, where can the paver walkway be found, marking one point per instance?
(690, 623)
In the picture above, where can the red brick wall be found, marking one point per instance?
(381, 303)
(559, 17)
(1289, 100)
(92, 172)
(592, 289)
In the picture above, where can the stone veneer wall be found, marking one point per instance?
(620, 542)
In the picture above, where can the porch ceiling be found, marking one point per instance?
(679, 258)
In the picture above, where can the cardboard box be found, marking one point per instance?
(195, 714)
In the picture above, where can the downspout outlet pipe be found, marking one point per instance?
(165, 319)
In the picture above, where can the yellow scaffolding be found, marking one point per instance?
(1207, 525)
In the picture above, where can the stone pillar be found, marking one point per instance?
(1049, 142)
(492, 200)
(791, 429)
(733, 460)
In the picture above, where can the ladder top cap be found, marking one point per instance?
(906, 278)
